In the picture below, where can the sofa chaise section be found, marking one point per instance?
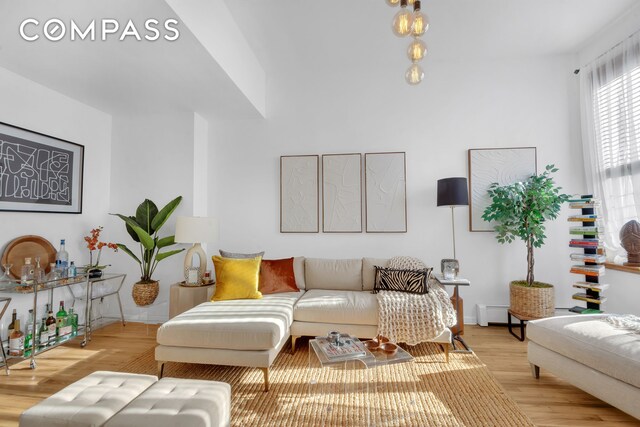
(590, 353)
(235, 333)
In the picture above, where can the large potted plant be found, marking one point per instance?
(520, 211)
(143, 229)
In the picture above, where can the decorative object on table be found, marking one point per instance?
(385, 192)
(415, 24)
(144, 229)
(299, 194)
(342, 193)
(6, 280)
(489, 165)
(28, 246)
(341, 347)
(520, 211)
(591, 259)
(94, 269)
(41, 173)
(375, 343)
(449, 268)
(195, 230)
(630, 241)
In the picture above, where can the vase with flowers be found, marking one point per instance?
(94, 269)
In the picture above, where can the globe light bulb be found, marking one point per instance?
(393, 3)
(417, 50)
(411, 2)
(420, 23)
(402, 21)
(414, 74)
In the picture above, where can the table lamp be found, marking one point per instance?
(453, 192)
(193, 229)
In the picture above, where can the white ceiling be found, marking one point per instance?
(121, 77)
(338, 33)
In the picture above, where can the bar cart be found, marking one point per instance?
(47, 288)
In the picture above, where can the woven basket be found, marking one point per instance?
(145, 293)
(531, 302)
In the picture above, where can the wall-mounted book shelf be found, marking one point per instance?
(590, 262)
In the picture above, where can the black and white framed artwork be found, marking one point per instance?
(39, 173)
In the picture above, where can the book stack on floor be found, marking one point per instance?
(589, 262)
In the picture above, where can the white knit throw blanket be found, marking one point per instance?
(625, 321)
(411, 318)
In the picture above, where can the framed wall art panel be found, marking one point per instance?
(299, 210)
(342, 193)
(385, 192)
(489, 165)
(39, 173)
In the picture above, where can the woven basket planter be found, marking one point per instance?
(145, 293)
(532, 302)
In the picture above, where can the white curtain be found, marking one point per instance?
(610, 101)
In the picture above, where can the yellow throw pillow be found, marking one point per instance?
(236, 278)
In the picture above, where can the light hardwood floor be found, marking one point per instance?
(548, 401)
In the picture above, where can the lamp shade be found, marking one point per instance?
(195, 229)
(453, 192)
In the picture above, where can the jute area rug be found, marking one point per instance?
(427, 392)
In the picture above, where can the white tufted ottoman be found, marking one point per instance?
(90, 401)
(121, 399)
(178, 402)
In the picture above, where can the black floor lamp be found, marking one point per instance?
(453, 192)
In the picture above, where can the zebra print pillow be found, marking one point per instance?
(410, 281)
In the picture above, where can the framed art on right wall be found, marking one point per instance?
(489, 165)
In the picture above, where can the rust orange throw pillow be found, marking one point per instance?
(276, 275)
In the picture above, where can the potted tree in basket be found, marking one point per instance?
(143, 229)
(520, 210)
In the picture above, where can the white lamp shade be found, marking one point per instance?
(195, 229)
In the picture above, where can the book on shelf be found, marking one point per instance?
(588, 270)
(594, 258)
(586, 243)
(583, 218)
(597, 287)
(584, 205)
(589, 298)
(586, 230)
(584, 310)
(582, 198)
(350, 349)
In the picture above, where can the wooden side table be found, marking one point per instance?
(457, 330)
(182, 298)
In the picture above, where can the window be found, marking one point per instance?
(610, 95)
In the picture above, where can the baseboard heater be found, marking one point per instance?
(491, 314)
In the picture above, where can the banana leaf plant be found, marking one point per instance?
(143, 229)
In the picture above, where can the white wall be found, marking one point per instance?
(459, 106)
(32, 106)
(153, 157)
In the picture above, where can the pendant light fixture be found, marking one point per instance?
(415, 24)
(402, 21)
(420, 21)
(414, 74)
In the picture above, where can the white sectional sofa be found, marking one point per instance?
(591, 354)
(335, 294)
